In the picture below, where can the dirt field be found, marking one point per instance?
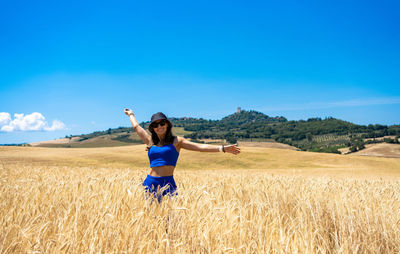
(56, 141)
(381, 150)
(267, 145)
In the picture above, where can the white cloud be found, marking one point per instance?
(57, 125)
(31, 122)
(5, 118)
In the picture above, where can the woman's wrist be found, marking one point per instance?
(221, 148)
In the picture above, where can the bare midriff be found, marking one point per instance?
(162, 171)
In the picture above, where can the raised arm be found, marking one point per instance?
(186, 144)
(144, 136)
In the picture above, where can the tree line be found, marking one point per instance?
(314, 134)
(302, 134)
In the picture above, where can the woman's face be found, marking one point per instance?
(160, 127)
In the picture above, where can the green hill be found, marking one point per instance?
(314, 134)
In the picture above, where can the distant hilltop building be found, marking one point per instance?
(239, 110)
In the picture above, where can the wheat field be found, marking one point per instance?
(262, 201)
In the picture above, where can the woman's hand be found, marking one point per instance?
(128, 111)
(232, 149)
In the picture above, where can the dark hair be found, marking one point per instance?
(169, 137)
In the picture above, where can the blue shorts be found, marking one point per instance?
(160, 186)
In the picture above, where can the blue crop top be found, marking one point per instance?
(163, 155)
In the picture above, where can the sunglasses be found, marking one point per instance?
(161, 123)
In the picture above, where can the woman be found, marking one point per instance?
(163, 151)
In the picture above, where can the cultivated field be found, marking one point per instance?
(383, 150)
(90, 200)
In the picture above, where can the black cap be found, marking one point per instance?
(159, 116)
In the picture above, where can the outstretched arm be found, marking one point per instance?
(186, 144)
(144, 136)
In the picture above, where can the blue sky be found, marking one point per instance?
(79, 63)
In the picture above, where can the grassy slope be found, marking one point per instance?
(381, 149)
(276, 161)
(101, 141)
